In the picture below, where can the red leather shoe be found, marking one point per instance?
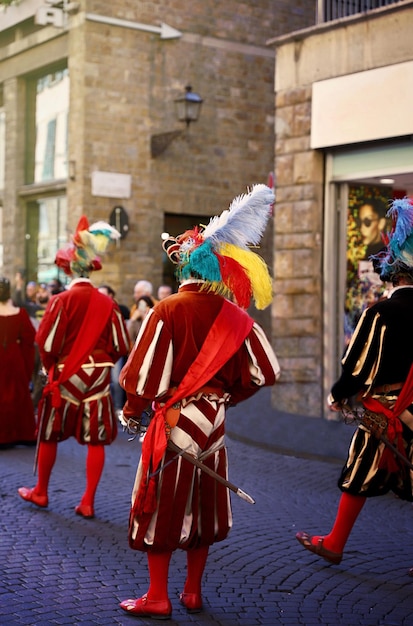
(157, 609)
(191, 601)
(306, 540)
(31, 496)
(85, 510)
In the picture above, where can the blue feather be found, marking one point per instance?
(399, 254)
(401, 242)
(204, 263)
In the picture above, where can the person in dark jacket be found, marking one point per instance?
(377, 368)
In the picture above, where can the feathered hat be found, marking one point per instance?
(220, 255)
(397, 257)
(80, 256)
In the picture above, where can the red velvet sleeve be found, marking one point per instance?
(51, 333)
(118, 343)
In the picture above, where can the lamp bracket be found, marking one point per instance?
(161, 141)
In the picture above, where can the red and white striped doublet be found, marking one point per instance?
(192, 509)
(86, 409)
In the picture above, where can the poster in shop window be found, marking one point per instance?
(366, 223)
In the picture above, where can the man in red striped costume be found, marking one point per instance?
(197, 354)
(81, 336)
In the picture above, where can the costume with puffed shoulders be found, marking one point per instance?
(191, 508)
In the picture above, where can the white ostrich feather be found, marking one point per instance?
(244, 222)
(103, 228)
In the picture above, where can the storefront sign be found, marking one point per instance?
(111, 185)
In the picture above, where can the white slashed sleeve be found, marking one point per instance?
(260, 368)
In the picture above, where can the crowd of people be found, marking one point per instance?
(183, 358)
(22, 308)
(17, 357)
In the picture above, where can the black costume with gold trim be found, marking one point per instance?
(380, 353)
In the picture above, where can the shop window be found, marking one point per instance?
(47, 115)
(47, 233)
(2, 168)
(366, 224)
(1, 237)
(49, 153)
(2, 147)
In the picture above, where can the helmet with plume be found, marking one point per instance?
(397, 257)
(219, 254)
(80, 256)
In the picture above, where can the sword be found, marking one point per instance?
(188, 457)
(36, 452)
(350, 416)
(134, 426)
(44, 379)
(162, 467)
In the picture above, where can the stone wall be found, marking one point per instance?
(129, 81)
(375, 39)
(297, 307)
(123, 82)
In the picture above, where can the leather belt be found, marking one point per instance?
(210, 389)
(387, 388)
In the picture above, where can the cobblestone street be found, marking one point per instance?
(62, 569)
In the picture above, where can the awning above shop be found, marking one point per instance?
(362, 107)
(371, 164)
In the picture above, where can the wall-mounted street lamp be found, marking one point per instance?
(187, 108)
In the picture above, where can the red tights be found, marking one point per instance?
(158, 563)
(348, 510)
(95, 461)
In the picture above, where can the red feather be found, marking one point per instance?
(64, 257)
(83, 224)
(236, 280)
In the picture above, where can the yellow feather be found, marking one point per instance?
(256, 270)
(217, 287)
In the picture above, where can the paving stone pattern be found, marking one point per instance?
(58, 568)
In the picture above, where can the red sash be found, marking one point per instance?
(394, 424)
(97, 315)
(224, 338)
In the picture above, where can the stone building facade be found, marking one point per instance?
(124, 63)
(340, 121)
(343, 92)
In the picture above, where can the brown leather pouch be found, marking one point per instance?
(172, 414)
